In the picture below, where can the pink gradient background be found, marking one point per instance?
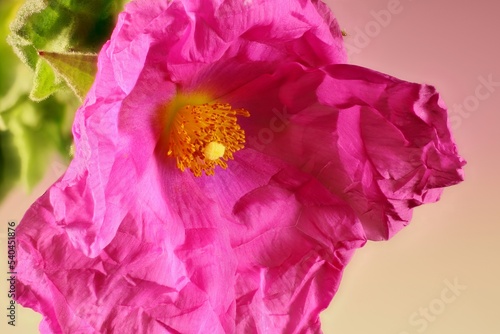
(448, 44)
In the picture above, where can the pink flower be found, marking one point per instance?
(291, 161)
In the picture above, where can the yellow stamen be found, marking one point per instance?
(203, 136)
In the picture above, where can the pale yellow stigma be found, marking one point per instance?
(201, 137)
(214, 150)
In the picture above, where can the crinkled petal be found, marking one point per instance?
(380, 143)
(171, 265)
(256, 30)
(294, 240)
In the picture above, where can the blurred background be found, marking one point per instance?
(441, 274)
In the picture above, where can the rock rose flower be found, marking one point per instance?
(227, 164)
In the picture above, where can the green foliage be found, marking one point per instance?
(76, 69)
(58, 40)
(31, 132)
(46, 82)
(65, 27)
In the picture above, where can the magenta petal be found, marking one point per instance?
(155, 275)
(293, 243)
(405, 140)
(381, 144)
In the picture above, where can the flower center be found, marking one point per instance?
(203, 136)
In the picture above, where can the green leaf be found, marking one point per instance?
(61, 27)
(78, 70)
(45, 82)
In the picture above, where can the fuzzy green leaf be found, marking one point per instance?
(61, 27)
(78, 70)
(45, 82)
